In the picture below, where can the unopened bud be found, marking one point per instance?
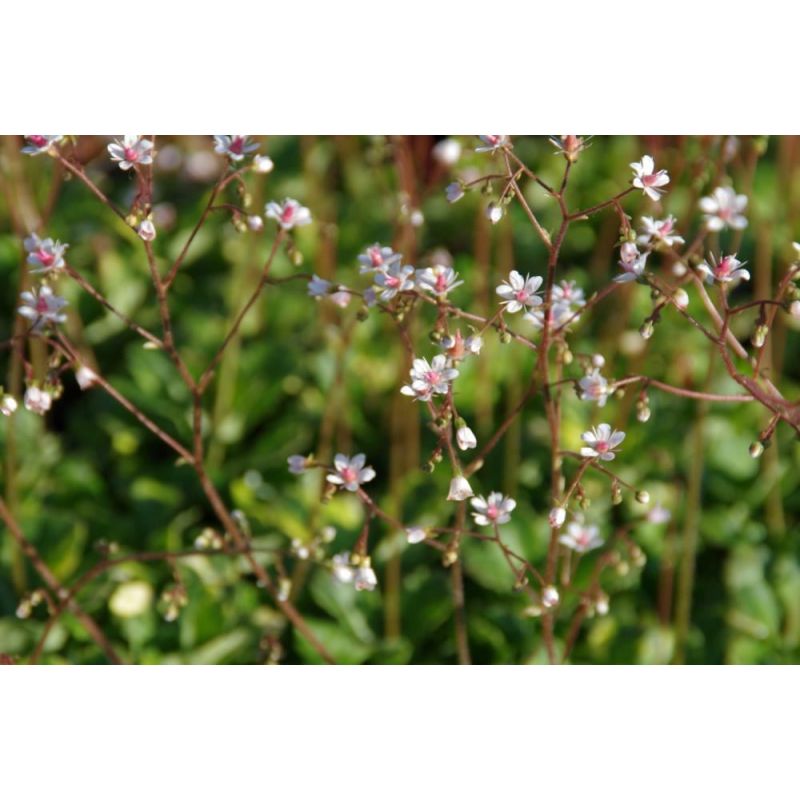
(642, 497)
(759, 335)
(646, 330)
(756, 449)
(680, 298)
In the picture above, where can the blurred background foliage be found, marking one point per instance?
(307, 376)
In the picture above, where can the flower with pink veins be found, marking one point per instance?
(438, 279)
(601, 442)
(42, 307)
(647, 180)
(518, 292)
(724, 209)
(45, 254)
(660, 230)
(726, 270)
(350, 473)
(430, 378)
(377, 257)
(396, 278)
(494, 510)
(130, 151)
(581, 538)
(492, 143)
(37, 144)
(632, 263)
(288, 214)
(235, 147)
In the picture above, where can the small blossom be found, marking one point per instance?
(130, 151)
(557, 516)
(396, 278)
(550, 597)
(85, 377)
(465, 438)
(558, 315)
(288, 214)
(297, 464)
(567, 293)
(727, 269)
(377, 257)
(454, 192)
(601, 442)
(492, 143)
(459, 489)
(364, 578)
(42, 307)
(447, 152)
(518, 292)
(594, 387)
(37, 144)
(724, 209)
(263, 164)
(350, 472)
(8, 405)
(44, 254)
(631, 261)
(457, 347)
(146, 230)
(318, 287)
(37, 400)
(646, 179)
(415, 534)
(430, 378)
(439, 279)
(581, 538)
(495, 510)
(660, 230)
(658, 515)
(494, 213)
(234, 147)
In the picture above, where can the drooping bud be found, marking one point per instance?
(642, 497)
(558, 515)
(756, 449)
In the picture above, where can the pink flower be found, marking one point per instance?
(662, 230)
(146, 230)
(377, 257)
(37, 144)
(395, 278)
(288, 214)
(581, 538)
(235, 147)
(42, 307)
(492, 143)
(557, 516)
(646, 179)
(132, 150)
(601, 442)
(594, 387)
(430, 378)
(724, 209)
(495, 510)
(631, 261)
(45, 254)
(439, 279)
(727, 269)
(350, 472)
(518, 292)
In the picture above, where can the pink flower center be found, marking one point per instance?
(41, 305)
(237, 145)
(493, 139)
(45, 257)
(349, 475)
(521, 296)
(582, 539)
(665, 228)
(392, 281)
(375, 257)
(600, 447)
(724, 213)
(432, 377)
(130, 154)
(724, 267)
(492, 512)
(39, 141)
(441, 282)
(649, 180)
(287, 215)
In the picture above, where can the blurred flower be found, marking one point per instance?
(85, 377)
(8, 405)
(131, 599)
(495, 510)
(297, 464)
(340, 566)
(459, 489)
(658, 514)
(415, 534)
(568, 293)
(594, 387)
(494, 213)
(37, 144)
(45, 254)
(364, 578)
(42, 307)
(631, 261)
(661, 230)
(557, 516)
(724, 209)
(601, 442)
(492, 143)
(377, 257)
(350, 472)
(727, 269)
(438, 280)
(235, 147)
(146, 230)
(318, 287)
(454, 191)
(130, 151)
(263, 164)
(430, 378)
(557, 315)
(518, 292)
(465, 438)
(581, 538)
(648, 181)
(255, 223)
(289, 214)
(37, 400)
(456, 346)
(550, 597)
(396, 278)
(447, 152)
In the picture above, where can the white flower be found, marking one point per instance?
(601, 442)
(631, 261)
(255, 223)
(396, 278)
(130, 151)
(439, 279)
(594, 387)
(459, 489)
(550, 597)
(492, 143)
(235, 147)
(557, 315)
(8, 405)
(350, 472)
(45, 254)
(454, 192)
(365, 579)
(430, 378)
(447, 152)
(146, 230)
(297, 464)
(42, 307)
(415, 534)
(658, 514)
(681, 298)
(85, 377)
(724, 209)
(318, 287)
(288, 214)
(567, 293)
(377, 257)
(37, 400)
(518, 292)
(661, 230)
(465, 438)
(456, 346)
(557, 516)
(341, 568)
(647, 180)
(37, 144)
(495, 510)
(494, 213)
(581, 538)
(727, 269)
(263, 164)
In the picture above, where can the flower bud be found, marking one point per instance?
(146, 230)
(550, 596)
(255, 223)
(598, 361)
(459, 489)
(646, 331)
(415, 534)
(465, 438)
(494, 213)
(642, 497)
(558, 515)
(680, 298)
(759, 335)
(756, 449)
(263, 164)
